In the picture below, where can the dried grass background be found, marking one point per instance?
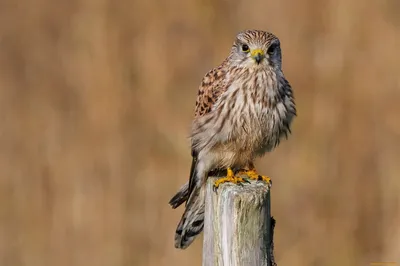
(96, 100)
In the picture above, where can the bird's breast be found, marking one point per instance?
(247, 120)
(257, 116)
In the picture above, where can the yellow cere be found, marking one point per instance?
(257, 51)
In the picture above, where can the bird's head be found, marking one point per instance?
(257, 50)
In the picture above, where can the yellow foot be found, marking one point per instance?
(230, 177)
(252, 174)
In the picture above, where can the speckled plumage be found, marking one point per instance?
(243, 109)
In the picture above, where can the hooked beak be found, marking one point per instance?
(258, 55)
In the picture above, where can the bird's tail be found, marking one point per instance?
(180, 197)
(184, 192)
(192, 220)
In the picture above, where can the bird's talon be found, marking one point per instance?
(230, 177)
(253, 175)
(246, 180)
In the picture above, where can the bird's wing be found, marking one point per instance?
(212, 87)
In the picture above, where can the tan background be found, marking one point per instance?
(96, 101)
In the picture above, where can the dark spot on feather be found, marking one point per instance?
(244, 128)
(253, 97)
(197, 223)
(192, 233)
(228, 113)
(234, 93)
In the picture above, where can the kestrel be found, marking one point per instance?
(243, 109)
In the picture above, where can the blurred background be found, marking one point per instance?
(96, 101)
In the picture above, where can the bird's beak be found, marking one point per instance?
(258, 55)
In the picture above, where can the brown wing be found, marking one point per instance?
(212, 86)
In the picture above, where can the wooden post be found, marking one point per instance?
(238, 227)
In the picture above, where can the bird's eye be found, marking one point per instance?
(272, 48)
(245, 48)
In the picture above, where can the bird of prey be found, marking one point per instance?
(243, 109)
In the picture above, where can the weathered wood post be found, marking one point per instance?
(238, 227)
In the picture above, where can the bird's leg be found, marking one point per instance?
(230, 177)
(252, 174)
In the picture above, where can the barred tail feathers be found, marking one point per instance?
(192, 221)
(184, 192)
(180, 197)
